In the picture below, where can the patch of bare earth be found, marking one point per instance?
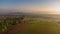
(18, 27)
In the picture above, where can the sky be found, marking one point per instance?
(33, 6)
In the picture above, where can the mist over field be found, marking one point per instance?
(37, 15)
(31, 14)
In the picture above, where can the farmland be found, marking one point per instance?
(42, 26)
(34, 26)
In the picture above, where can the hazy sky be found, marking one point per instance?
(37, 6)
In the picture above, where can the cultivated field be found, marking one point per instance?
(41, 26)
(29, 26)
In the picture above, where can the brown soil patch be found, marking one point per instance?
(18, 27)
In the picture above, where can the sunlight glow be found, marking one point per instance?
(55, 7)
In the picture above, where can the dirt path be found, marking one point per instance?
(18, 27)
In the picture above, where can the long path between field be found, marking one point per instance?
(18, 27)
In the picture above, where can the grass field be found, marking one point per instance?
(41, 26)
(36, 26)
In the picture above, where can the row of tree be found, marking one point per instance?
(7, 21)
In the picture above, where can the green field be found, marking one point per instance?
(36, 26)
(41, 26)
